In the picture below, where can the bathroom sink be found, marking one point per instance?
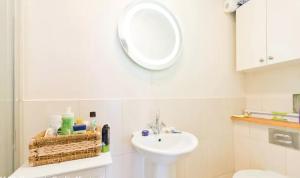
(164, 149)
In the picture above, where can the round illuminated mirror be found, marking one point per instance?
(150, 35)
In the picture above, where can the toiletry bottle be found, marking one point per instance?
(67, 122)
(93, 121)
(79, 121)
(105, 138)
(55, 123)
(299, 115)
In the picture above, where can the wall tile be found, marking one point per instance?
(282, 103)
(242, 145)
(197, 162)
(276, 158)
(217, 117)
(253, 102)
(242, 150)
(293, 162)
(267, 156)
(183, 114)
(220, 155)
(265, 82)
(259, 133)
(241, 130)
(270, 103)
(137, 114)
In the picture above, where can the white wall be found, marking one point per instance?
(272, 89)
(71, 49)
(6, 89)
(269, 89)
(70, 55)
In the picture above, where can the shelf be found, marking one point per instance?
(51, 170)
(269, 122)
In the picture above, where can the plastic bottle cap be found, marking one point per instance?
(93, 114)
(145, 133)
(68, 113)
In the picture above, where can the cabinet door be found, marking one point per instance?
(283, 30)
(251, 43)
(90, 173)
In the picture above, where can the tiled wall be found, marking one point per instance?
(206, 118)
(269, 89)
(253, 151)
(272, 89)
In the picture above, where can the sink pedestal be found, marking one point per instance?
(161, 151)
(163, 171)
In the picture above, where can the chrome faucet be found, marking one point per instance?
(157, 126)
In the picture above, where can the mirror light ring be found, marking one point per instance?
(130, 49)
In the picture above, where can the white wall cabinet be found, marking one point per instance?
(283, 30)
(251, 35)
(268, 32)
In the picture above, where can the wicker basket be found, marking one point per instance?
(49, 150)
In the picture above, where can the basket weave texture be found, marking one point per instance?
(50, 150)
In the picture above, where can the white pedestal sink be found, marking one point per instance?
(164, 149)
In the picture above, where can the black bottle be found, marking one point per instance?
(105, 138)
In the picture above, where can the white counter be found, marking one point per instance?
(26, 171)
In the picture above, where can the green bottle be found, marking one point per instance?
(67, 122)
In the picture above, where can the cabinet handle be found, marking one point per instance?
(261, 60)
(270, 57)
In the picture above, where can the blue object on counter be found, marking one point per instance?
(79, 127)
(145, 133)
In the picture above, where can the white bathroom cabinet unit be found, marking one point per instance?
(95, 167)
(251, 35)
(268, 32)
(283, 30)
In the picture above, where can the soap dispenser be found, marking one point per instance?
(67, 122)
